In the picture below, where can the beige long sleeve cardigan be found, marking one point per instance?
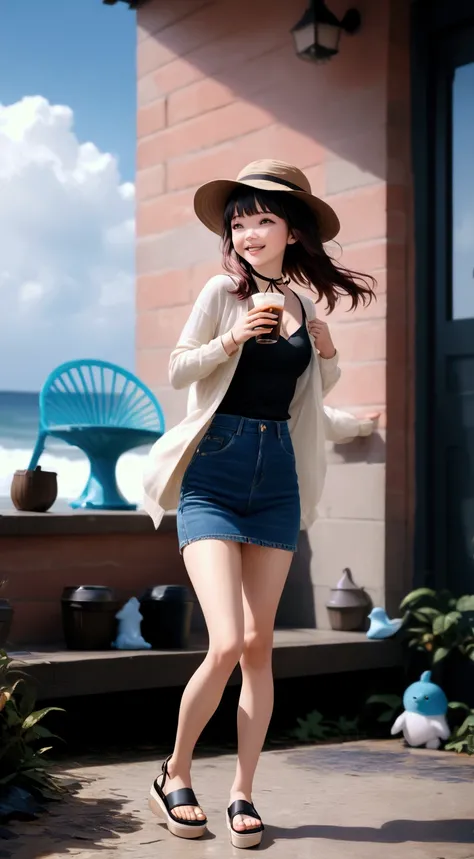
(201, 363)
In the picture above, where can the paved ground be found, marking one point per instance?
(363, 800)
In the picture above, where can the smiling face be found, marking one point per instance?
(259, 236)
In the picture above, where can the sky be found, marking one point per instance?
(67, 153)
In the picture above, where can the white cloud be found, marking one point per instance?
(66, 247)
(30, 293)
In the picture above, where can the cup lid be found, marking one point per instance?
(346, 582)
(89, 593)
(170, 593)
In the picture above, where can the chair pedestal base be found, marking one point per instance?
(101, 491)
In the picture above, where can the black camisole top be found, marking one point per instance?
(265, 380)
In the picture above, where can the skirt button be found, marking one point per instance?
(262, 427)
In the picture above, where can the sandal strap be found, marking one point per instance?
(183, 796)
(164, 770)
(241, 806)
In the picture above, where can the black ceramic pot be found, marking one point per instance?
(88, 613)
(167, 612)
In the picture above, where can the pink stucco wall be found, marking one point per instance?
(219, 85)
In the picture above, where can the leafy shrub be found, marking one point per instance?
(462, 738)
(316, 727)
(438, 623)
(24, 741)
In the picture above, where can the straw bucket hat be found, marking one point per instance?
(266, 175)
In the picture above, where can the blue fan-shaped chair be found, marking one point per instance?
(105, 411)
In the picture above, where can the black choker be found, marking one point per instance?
(273, 282)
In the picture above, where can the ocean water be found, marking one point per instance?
(19, 416)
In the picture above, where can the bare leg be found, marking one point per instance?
(215, 570)
(264, 572)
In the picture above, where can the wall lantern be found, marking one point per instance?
(318, 32)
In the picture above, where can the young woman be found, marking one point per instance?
(246, 466)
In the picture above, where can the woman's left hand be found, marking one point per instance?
(372, 416)
(369, 423)
(319, 331)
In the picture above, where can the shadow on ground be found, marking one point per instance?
(393, 832)
(81, 826)
(75, 825)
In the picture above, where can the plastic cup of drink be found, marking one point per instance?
(270, 302)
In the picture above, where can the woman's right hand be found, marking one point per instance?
(255, 322)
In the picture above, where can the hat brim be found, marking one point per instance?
(210, 201)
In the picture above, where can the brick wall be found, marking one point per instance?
(40, 557)
(38, 566)
(219, 85)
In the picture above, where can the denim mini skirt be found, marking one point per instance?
(241, 485)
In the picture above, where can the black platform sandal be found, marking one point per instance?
(247, 837)
(163, 805)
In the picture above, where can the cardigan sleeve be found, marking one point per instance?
(330, 372)
(198, 351)
(343, 427)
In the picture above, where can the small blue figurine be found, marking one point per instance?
(380, 624)
(424, 721)
(129, 635)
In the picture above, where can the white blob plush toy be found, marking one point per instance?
(423, 722)
(129, 635)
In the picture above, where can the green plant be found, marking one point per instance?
(316, 727)
(392, 705)
(438, 623)
(22, 737)
(462, 738)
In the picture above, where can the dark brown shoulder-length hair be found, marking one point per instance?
(305, 262)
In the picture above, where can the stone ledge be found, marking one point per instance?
(296, 653)
(15, 523)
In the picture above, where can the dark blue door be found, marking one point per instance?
(453, 316)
